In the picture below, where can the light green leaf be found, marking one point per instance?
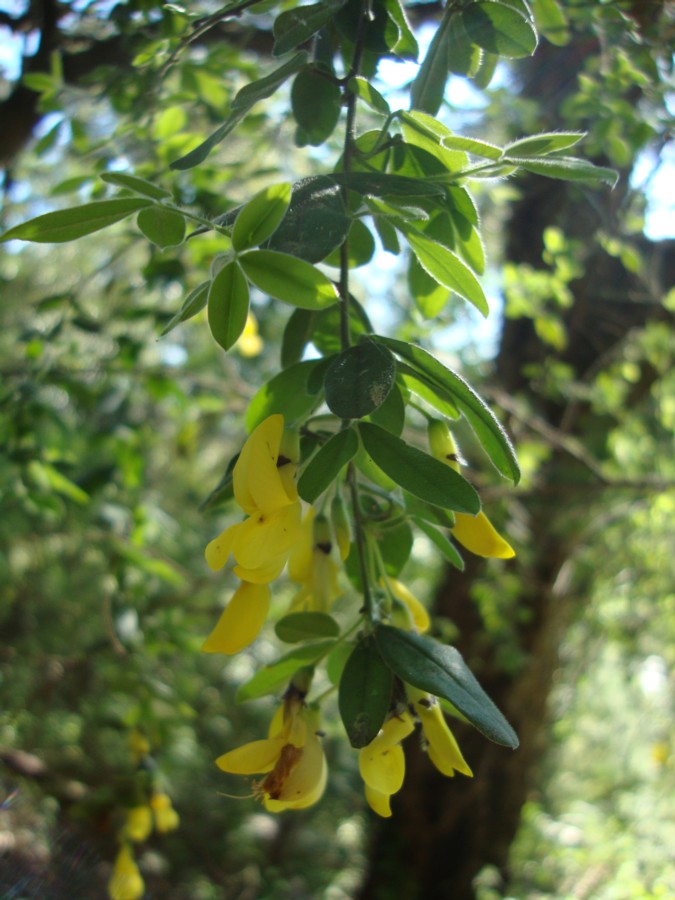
(325, 466)
(360, 247)
(377, 184)
(370, 95)
(260, 217)
(550, 21)
(542, 144)
(303, 626)
(447, 269)
(568, 168)
(228, 305)
(164, 227)
(359, 379)
(500, 28)
(423, 130)
(472, 145)
(271, 678)
(286, 393)
(441, 542)
(365, 693)
(316, 102)
(405, 45)
(426, 92)
(135, 184)
(289, 279)
(295, 26)
(441, 671)
(456, 391)
(193, 304)
(463, 56)
(70, 224)
(418, 472)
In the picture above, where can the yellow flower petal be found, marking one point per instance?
(218, 550)
(257, 483)
(300, 558)
(383, 770)
(166, 817)
(305, 782)
(262, 539)
(126, 882)
(256, 757)
(378, 802)
(443, 749)
(479, 536)
(241, 621)
(417, 611)
(138, 824)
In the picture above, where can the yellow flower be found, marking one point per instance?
(241, 621)
(441, 745)
(250, 343)
(139, 745)
(125, 882)
(291, 758)
(415, 613)
(311, 564)
(138, 824)
(382, 763)
(476, 533)
(166, 817)
(264, 487)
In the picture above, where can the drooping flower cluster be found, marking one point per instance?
(382, 762)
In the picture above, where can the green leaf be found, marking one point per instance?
(447, 269)
(418, 472)
(425, 131)
(286, 393)
(568, 168)
(365, 693)
(303, 626)
(316, 222)
(485, 70)
(289, 279)
(428, 88)
(228, 305)
(377, 184)
(370, 95)
(135, 184)
(271, 678)
(297, 334)
(193, 304)
(336, 662)
(430, 297)
(326, 464)
(260, 217)
(550, 21)
(244, 100)
(441, 542)
(164, 227)
(70, 224)
(542, 144)
(360, 247)
(395, 543)
(463, 56)
(298, 25)
(499, 28)
(391, 413)
(359, 379)
(441, 671)
(405, 44)
(316, 102)
(471, 145)
(455, 390)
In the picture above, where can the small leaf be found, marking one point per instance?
(359, 380)
(370, 95)
(316, 102)
(70, 224)
(428, 88)
(441, 671)
(418, 472)
(455, 390)
(164, 227)
(441, 542)
(228, 305)
(326, 464)
(289, 279)
(550, 21)
(365, 693)
(271, 678)
(391, 413)
(360, 247)
(297, 334)
(448, 269)
(500, 29)
(260, 217)
(295, 26)
(463, 55)
(377, 184)
(194, 303)
(541, 144)
(303, 626)
(135, 184)
(568, 168)
(286, 393)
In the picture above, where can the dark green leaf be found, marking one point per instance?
(463, 56)
(440, 670)
(273, 677)
(296, 26)
(360, 247)
(394, 541)
(289, 279)
(365, 693)
(70, 224)
(366, 92)
(326, 464)
(260, 217)
(359, 380)
(377, 184)
(499, 28)
(316, 102)
(164, 227)
(391, 413)
(418, 472)
(487, 427)
(286, 393)
(303, 626)
(135, 184)
(404, 44)
(316, 221)
(427, 89)
(228, 305)
(297, 334)
(193, 304)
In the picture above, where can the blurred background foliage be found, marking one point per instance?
(112, 438)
